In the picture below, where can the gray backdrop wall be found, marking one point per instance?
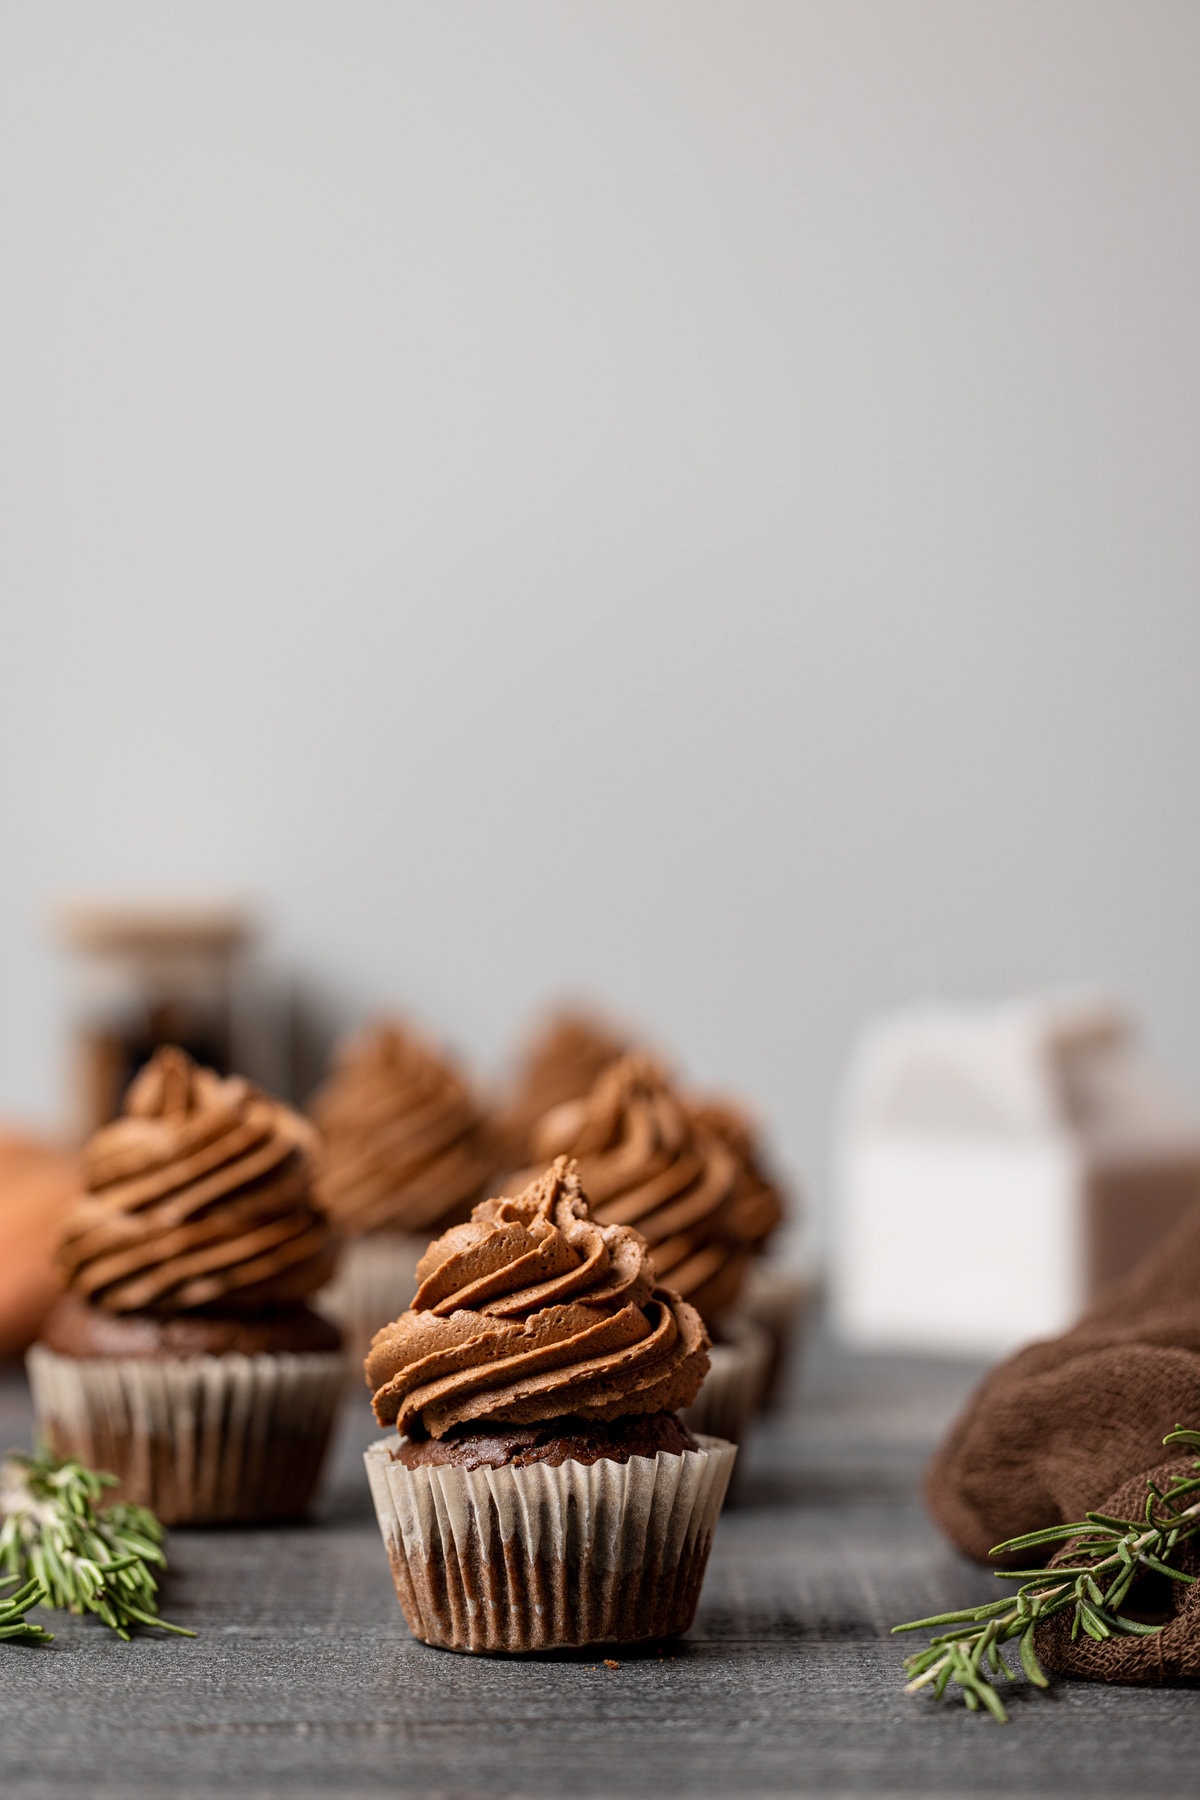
(693, 502)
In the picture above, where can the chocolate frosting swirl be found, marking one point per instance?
(760, 1204)
(533, 1311)
(560, 1062)
(198, 1197)
(405, 1146)
(648, 1161)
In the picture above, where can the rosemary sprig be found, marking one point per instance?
(72, 1552)
(1112, 1553)
(14, 1626)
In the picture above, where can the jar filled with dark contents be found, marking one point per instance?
(148, 975)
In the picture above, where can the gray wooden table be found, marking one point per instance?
(304, 1681)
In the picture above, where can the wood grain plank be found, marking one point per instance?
(304, 1681)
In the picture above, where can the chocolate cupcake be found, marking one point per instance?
(542, 1492)
(648, 1161)
(560, 1062)
(183, 1356)
(405, 1152)
(774, 1295)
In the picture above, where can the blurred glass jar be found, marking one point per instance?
(152, 974)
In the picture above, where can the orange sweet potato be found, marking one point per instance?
(37, 1180)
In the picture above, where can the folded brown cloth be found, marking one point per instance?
(1173, 1653)
(1057, 1427)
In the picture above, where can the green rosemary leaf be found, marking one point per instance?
(1161, 1568)
(1115, 1597)
(139, 1617)
(993, 1702)
(83, 1556)
(1186, 1484)
(1110, 1552)
(14, 1626)
(923, 1659)
(1034, 1578)
(1029, 1661)
(1049, 1535)
(1095, 1628)
(970, 1613)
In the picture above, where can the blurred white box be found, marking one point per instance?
(993, 1168)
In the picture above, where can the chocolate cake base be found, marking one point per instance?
(555, 1442)
(73, 1328)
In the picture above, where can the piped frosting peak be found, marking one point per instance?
(404, 1144)
(649, 1161)
(531, 1311)
(197, 1197)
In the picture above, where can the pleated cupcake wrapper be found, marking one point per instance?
(776, 1296)
(375, 1282)
(201, 1440)
(778, 1299)
(543, 1558)
(732, 1389)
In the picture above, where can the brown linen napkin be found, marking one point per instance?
(1173, 1654)
(1059, 1425)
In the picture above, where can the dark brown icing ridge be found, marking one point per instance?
(554, 1442)
(72, 1328)
(199, 1197)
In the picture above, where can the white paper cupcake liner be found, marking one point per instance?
(202, 1439)
(778, 1299)
(375, 1282)
(732, 1389)
(543, 1558)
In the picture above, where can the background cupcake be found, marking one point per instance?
(560, 1062)
(405, 1151)
(183, 1356)
(543, 1493)
(647, 1160)
(774, 1295)
(38, 1181)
